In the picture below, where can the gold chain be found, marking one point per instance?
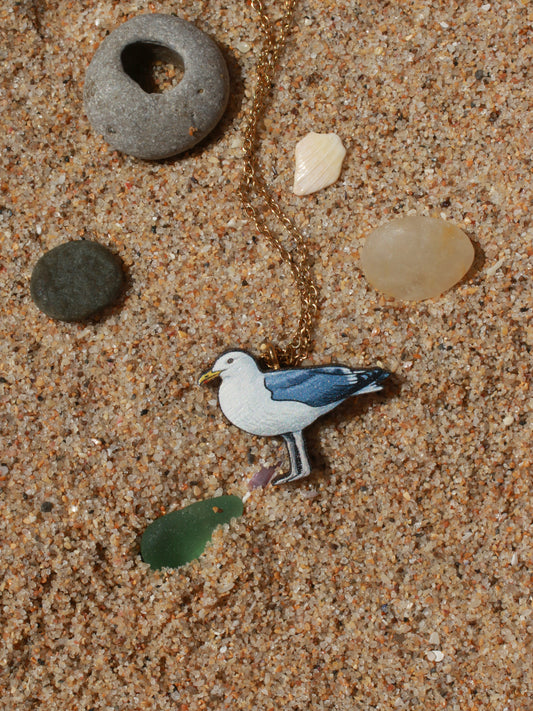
(252, 184)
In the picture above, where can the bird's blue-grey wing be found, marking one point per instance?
(318, 387)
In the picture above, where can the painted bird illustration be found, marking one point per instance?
(284, 402)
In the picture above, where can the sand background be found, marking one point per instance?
(398, 576)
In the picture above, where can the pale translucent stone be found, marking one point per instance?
(318, 158)
(415, 258)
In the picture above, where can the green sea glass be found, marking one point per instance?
(181, 536)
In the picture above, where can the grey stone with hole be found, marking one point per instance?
(155, 125)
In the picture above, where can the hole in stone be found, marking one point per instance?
(154, 67)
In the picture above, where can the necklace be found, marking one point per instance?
(287, 399)
(252, 184)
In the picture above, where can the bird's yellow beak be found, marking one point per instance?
(210, 375)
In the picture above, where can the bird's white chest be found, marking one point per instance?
(249, 406)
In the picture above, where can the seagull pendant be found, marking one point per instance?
(284, 402)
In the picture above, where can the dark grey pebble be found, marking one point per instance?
(76, 280)
(155, 125)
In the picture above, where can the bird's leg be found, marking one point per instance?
(300, 466)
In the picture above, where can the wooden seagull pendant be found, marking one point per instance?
(284, 402)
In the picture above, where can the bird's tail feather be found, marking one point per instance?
(372, 388)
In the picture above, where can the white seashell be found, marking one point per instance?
(319, 159)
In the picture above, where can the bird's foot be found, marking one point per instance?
(288, 476)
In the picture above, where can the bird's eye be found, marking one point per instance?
(230, 360)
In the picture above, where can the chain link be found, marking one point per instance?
(252, 186)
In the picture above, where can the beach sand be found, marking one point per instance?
(399, 574)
